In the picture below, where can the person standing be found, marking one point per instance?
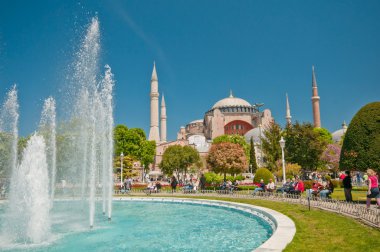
(347, 185)
(173, 184)
(202, 182)
(373, 188)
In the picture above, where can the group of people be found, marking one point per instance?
(323, 190)
(371, 179)
(292, 186)
(229, 186)
(190, 185)
(127, 184)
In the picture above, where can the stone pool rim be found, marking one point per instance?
(283, 232)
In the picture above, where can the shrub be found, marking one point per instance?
(244, 187)
(263, 173)
(361, 144)
(233, 179)
(213, 178)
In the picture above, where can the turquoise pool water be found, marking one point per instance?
(153, 226)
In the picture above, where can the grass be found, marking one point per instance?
(319, 230)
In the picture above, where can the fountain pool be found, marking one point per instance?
(159, 225)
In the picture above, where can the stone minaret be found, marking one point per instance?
(154, 131)
(315, 101)
(288, 117)
(163, 120)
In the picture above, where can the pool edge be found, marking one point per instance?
(283, 234)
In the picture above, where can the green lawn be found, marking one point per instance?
(319, 230)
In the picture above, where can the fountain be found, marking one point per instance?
(88, 149)
(79, 151)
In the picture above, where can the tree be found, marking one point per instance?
(323, 135)
(263, 174)
(178, 159)
(227, 158)
(331, 156)
(5, 154)
(291, 170)
(237, 139)
(271, 146)
(361, 145)
(252, 156)
(133, 143)
(303, 146)
(127, 166)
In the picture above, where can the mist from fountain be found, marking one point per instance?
(48, 129)
(27, 219)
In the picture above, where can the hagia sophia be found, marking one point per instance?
(230, 115)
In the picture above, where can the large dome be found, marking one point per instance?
(231, 101)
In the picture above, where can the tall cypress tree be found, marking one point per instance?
(252, 156)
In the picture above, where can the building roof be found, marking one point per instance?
(337, 135)
(196, 121)
(255, 133)
(231, 101)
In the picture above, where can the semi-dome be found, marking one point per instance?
(231, 101)
(337, 135)
(255, 134)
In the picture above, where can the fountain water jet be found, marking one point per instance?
(48, 127)
(29, 202)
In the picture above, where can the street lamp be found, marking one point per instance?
(282, 144)
(121, 168)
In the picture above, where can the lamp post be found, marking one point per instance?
(282, 144)
(121, 168)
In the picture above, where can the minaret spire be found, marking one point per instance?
(288, 117)
(154, 73)
(315, 101)
(154, 133)
(163, 119)
(231, 94)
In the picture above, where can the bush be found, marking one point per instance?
(213, 178)
(242, 188)
(361, 144)
(233, 179)
(263, 173)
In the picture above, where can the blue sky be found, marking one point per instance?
(259, 49)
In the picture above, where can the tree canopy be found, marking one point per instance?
(304, 146)
(237, 139)
(178, 159)
(133, 143)
(271, 146)
(361, 144)
(227, 158)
